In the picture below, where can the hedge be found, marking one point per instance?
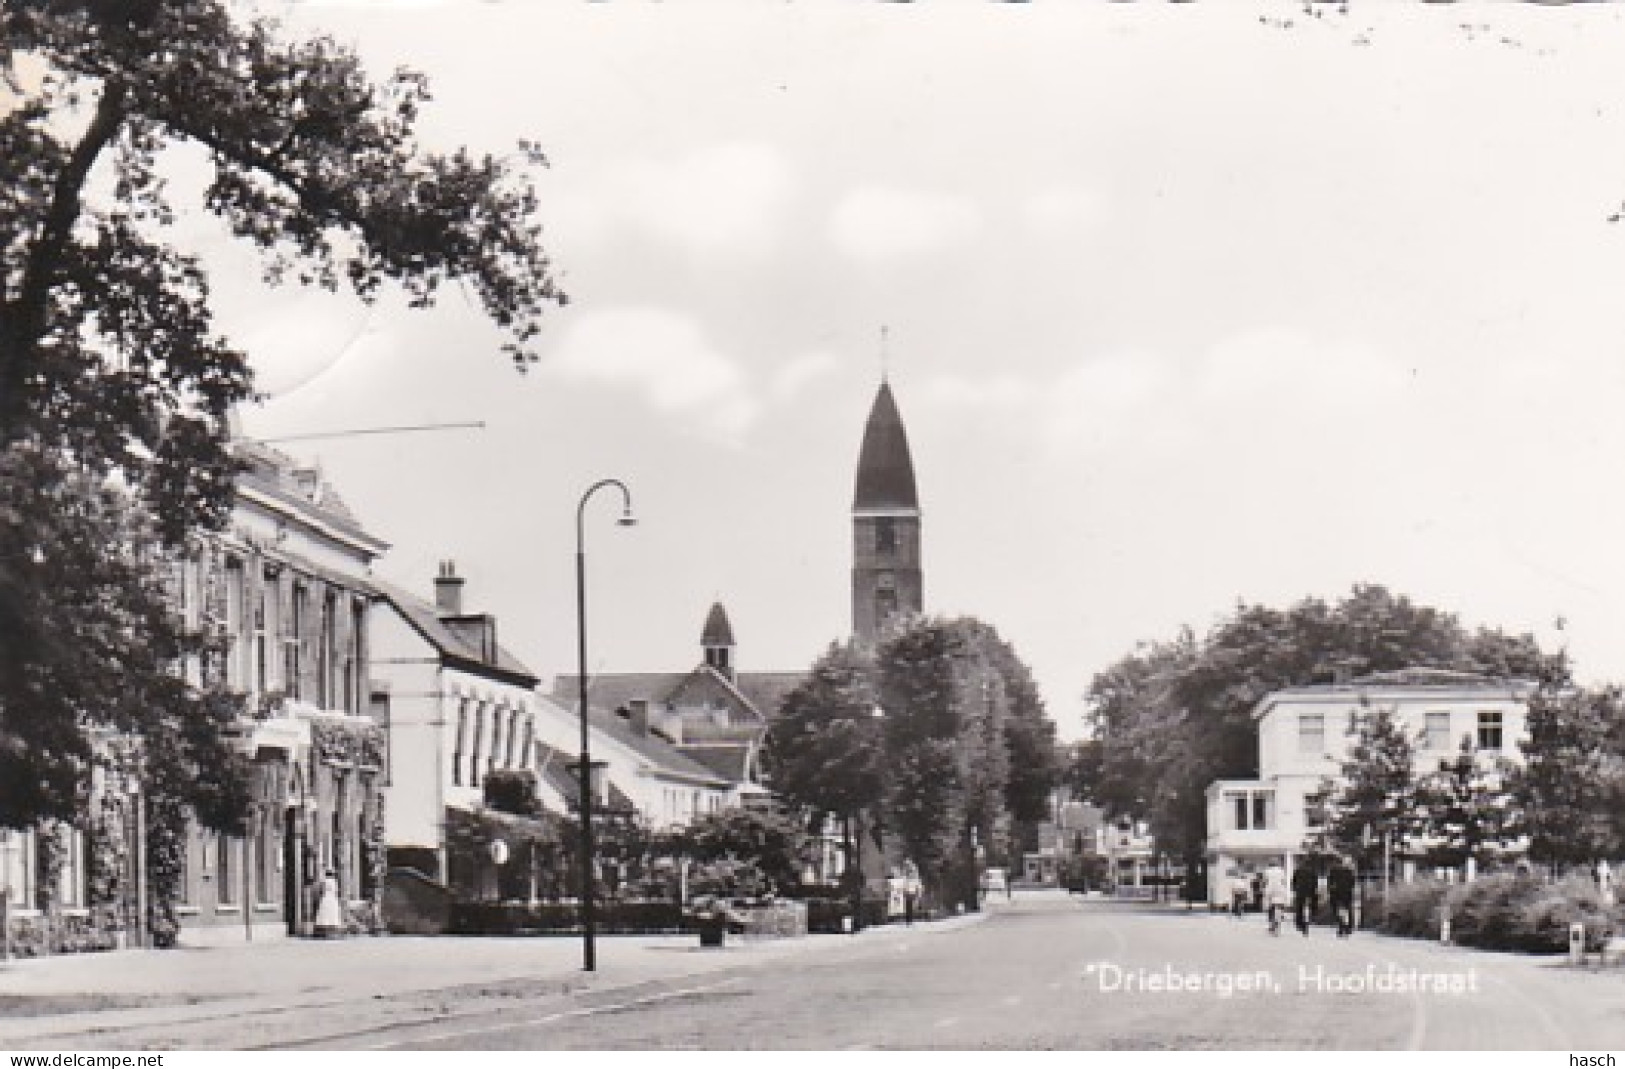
(1499, 911)
(609, 918)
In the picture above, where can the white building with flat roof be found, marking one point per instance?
(1306, 733)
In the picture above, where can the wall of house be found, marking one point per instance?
(406, 684)
(662, 800)
(1285, 749)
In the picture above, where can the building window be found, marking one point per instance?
(886, 535)
(378, 709)
(462, 737)
(1437, 731)
(1314, 810)
(1489, 729)
(292, 646)
(1312, 733)
(257, 672)
(262, 859)
(1250, 810)
(235, 674)
(885, 605)
(479, 742)
(225, 873)
(325, 645)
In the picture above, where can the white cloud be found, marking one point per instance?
(883, 223)
(726, 198)
(663, 355)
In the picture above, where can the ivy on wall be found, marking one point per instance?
(347, 741)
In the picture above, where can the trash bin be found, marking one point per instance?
(713, 933)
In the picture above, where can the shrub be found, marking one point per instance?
(826, 915)
(1543, 923)
(1486, 912)
(1499, 911)
(609, 918)
(1412, 909)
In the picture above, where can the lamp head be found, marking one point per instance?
(627, 519)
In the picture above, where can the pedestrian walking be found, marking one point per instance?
(1305, 895)
(1238, 893)
(1276, 895)
(329, 918)
(1340, 890)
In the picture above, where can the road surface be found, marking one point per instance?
(1042, 972)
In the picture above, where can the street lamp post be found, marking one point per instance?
(589, 960)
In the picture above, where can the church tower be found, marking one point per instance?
(886, 577)
(717, 640)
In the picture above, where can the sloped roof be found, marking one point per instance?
(764, 691)
(282, 478)
(1437, 682)
(453, 644)
(553, 771)
(767, 690)
(885, 468)
(613, 690)
(663, 755)
(730, 761)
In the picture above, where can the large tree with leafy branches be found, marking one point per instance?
(938, 738)
(1571, 786)
(115, 384)
(1376, 796)
(1172, 717)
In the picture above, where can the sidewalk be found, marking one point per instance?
(75, 995)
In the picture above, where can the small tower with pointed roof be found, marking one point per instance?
(717, 639)
(886, 577)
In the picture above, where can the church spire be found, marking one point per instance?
(885, 469)
(886, 576)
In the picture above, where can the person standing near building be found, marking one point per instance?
(1305, 892)
(329, 917)
(1340, 890)
(1276, 895)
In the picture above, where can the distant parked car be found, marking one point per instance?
(995, 881)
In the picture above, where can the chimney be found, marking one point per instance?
(448, 590)
(639, 708)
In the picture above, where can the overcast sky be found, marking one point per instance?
(1186, 306)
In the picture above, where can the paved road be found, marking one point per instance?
(1052, 973)
(1043, 972)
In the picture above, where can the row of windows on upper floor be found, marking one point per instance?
(286, 632)
(491, 737)
(1436, 734)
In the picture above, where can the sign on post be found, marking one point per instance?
(1577, 943)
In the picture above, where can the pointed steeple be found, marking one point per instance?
(717, 640)
(885, 480)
